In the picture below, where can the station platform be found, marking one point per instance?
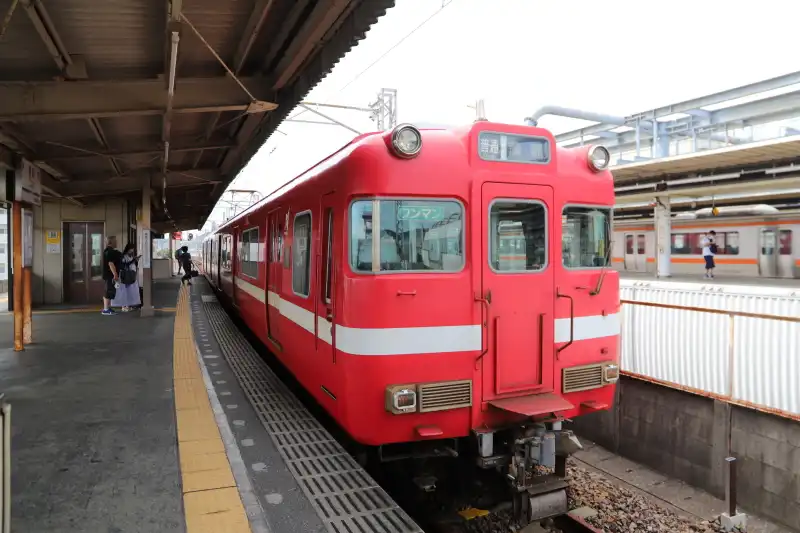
(718, 280)
(171, 423)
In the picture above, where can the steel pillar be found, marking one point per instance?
(147, 254)
(16, 239)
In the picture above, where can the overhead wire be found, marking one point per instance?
(445, 3)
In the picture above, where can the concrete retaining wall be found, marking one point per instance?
(688, 437)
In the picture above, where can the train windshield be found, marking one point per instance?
(585, 237)
(412, 235)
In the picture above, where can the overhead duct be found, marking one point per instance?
(567, 112)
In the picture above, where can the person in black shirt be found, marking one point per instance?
(111, 265)
(186, 263)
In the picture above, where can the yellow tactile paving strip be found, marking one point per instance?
(211, 500)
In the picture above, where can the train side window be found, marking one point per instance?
(641, 245)
(680, 244)
(227, 240)
(328, 256)
(248, 253)
(732, 243)
(628, 244)
(720, 239)
(517, 236)
(301, 254)
(785, 242)
(584, 236)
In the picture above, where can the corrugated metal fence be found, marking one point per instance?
(738, 344)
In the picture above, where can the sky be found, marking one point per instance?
(616, 57)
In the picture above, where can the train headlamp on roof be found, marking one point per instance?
(405, 141)
(598, 158)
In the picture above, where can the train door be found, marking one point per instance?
(274, 274)
(767, 256)
(216, 267)
(325, 308)
(785, 255)
(518, 289)
(635, 252)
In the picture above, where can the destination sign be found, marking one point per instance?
(513, 148)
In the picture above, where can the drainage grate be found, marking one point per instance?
(345, 497)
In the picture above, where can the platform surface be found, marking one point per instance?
(170, 423)
(93, 421)
(718, 280)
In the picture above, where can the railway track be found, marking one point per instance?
(570, 523)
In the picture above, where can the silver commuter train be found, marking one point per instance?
(753, 241)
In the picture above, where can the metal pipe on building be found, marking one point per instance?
(16, 238)
(167, 125)
(27, 306)
(567, 112)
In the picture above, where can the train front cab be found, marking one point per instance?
(535, 282)
(549, 303)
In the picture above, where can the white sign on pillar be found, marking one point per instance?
(663, 226)
(27, 238)
(147, 248)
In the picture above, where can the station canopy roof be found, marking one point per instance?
(85, 90)
(773, 151)
(753, 168)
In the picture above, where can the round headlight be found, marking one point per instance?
(406, 141)
(599, 158)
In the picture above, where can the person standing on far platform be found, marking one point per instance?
(709, 251)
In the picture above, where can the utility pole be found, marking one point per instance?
(480, 110)
(384, 109)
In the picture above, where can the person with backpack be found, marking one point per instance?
(186, 262)
(178, 254)
(709, 251)
(127, 296)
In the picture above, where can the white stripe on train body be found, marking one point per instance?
(418, 340)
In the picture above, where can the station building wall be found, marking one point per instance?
(48, 268)
(688, 437)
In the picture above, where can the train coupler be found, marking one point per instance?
(537, 472)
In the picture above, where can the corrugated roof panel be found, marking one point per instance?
(118, 38)
(189, 126)
(86, 167)
(126, 39)
(146, 129)
(221, 25)
(23, 55)
(71, 132)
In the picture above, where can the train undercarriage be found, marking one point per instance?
(533, 460)
(520, 468)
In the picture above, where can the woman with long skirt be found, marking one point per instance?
(128, 292)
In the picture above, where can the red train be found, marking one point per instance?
(440, 286)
